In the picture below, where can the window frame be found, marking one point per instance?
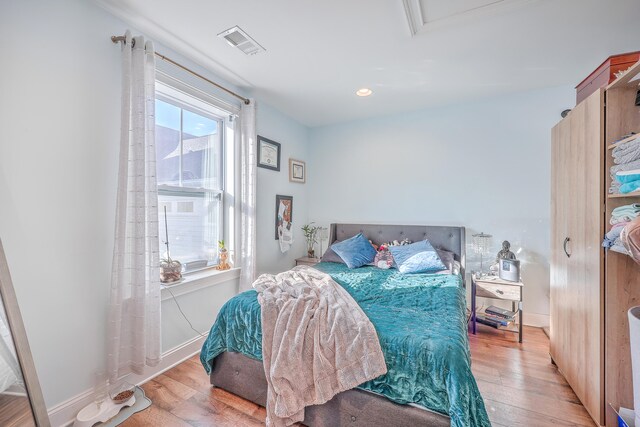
(189, 98)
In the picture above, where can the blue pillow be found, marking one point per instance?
(355, 252)
(419, 257)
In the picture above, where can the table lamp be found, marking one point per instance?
(323, 234)
(481, 246)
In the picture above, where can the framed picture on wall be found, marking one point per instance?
(284, 214)
(268, 154)
(297, 171)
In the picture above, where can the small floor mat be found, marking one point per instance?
(142, 403)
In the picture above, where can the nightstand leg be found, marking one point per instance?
(473, 307)
(520, 319)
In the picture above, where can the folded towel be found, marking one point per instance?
(630, 186)
(625, 213)
(624, 209)
(619, 248)
(615, 185)
(624, 167)
(613, 234)
(615, 231)
(607, 243)
(616, 220)
(627, 176)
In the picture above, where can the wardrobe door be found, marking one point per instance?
(560, 200)
(586, 270)
(577, 290)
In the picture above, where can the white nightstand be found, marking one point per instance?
(496, 288)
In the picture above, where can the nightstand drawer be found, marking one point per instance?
(498, 291)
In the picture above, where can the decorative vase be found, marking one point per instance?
(170, 271)
(223, 256)
(311, 253)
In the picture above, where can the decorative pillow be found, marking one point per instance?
(355, 252)
(331, 256)
(419, 257)
(383, 259)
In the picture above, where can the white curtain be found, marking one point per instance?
(247, 211)
(134, 310)
(10, 373)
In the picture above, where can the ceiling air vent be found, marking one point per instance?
(236, 37)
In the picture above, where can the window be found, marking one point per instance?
(191, 139)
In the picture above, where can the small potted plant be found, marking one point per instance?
(311, 235)
(170, 269)
(223, 256)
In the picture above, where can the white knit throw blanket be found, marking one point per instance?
(627, 152)
(316, 342)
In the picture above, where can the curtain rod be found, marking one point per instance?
(119, 39)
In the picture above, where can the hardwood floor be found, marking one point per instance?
(519, 384)
(15, 411)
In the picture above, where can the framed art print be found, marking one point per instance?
(284, 214)
(268, 154)
(297, 171)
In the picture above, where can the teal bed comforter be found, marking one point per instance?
(421, 323)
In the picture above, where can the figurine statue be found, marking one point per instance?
(505, 253)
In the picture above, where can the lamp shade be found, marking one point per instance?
(323, 233)
(481, 243)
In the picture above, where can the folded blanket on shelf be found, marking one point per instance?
(316, 342)
(627, 152)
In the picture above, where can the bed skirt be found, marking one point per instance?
(244, 377)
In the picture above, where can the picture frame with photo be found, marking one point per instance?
(297, 171)
(268, 154)
(284, 214)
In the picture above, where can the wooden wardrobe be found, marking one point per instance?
(591, 290)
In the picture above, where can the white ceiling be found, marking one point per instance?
(320, 52)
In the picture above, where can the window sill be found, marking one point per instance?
(199, 280)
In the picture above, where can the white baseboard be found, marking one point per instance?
(64, 413)
(535, 319)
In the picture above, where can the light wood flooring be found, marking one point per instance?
(15, 411)
(519, 384)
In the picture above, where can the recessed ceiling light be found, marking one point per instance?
(365, 91)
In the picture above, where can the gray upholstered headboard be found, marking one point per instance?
(451, 239)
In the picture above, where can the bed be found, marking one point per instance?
(421, 324)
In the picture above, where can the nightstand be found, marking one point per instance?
(307, 261)
(495, 288)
